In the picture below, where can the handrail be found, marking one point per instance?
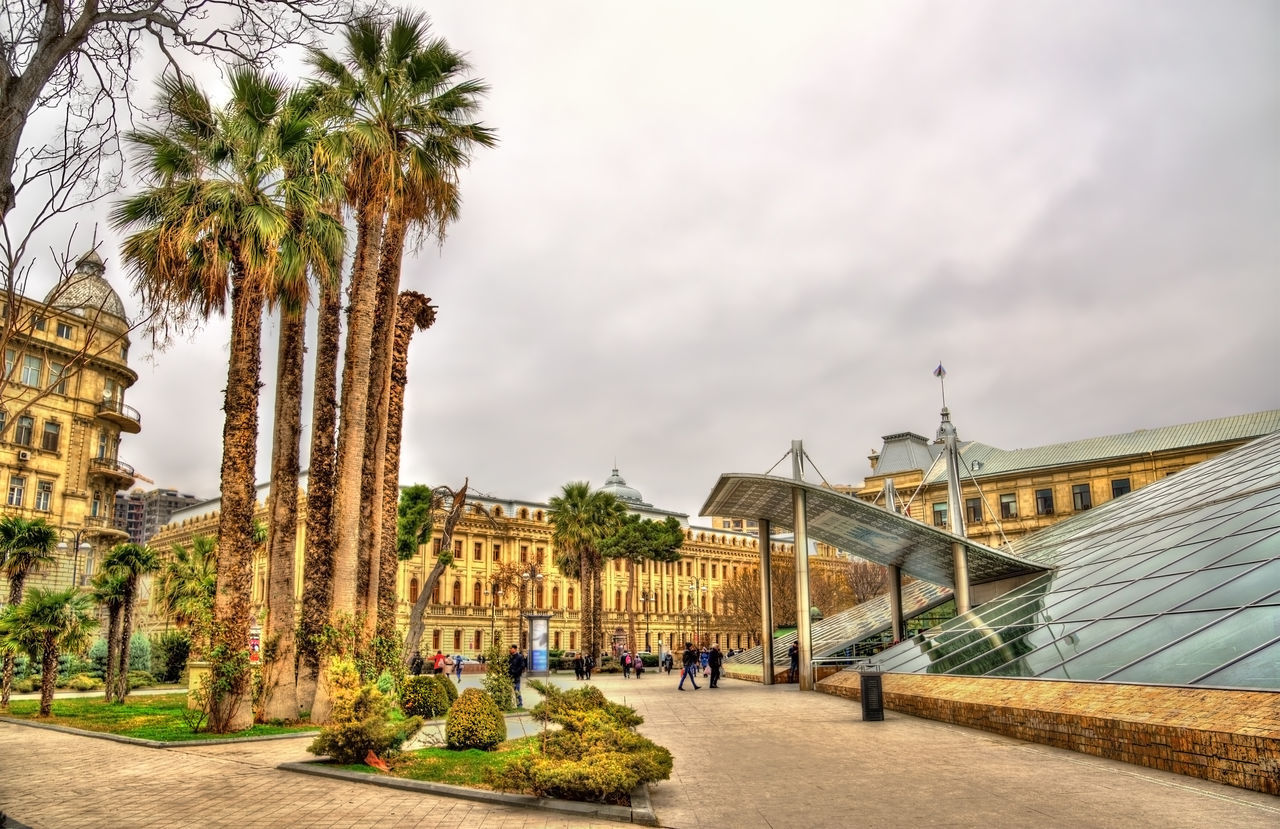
(113, 465)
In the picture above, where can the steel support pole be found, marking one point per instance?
(895, 603)
(800, 524)
(766, 602)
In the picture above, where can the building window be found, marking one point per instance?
(23, 431)
(556, 640)
(52, 432)
(414, 589)
(17, 490)
(542, 555)
(435, 592)
(37, 322)
(539, 601)
(973, 510)
(702, 570)
(1044, 502)
(713, 571)
(44, 495)
(457, 548)
(477, 551)
(497, 552)
(435, 638)
(1119, 486)
(1009, 505)
(457, 640)
(573, 640)
(477, 644)
(524, 553)
(457, 592)
(64, 330)
(555, 599)
(32, 370)
(939, 515)
(103, 441)
(569, 602)
(10, 357)
(4, 421)
(1081, 499)
(95, 506)
(57, 383)
(475, 595)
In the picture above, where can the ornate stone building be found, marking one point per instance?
(62, 416)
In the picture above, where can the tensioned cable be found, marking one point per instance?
(778, 461)
(816, 469)
(906, 509)
(987, 505)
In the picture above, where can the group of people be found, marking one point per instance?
(631, 664)
(439, 663)
(710, 661)
(583, 665)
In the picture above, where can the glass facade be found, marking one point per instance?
(1177, 583)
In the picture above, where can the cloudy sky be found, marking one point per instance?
(711, 228)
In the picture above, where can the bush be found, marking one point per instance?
(423, 696)
(139, 652)
(387, 684)
(21, 666)
(139, 679)
(496, 682)
(450, 690)
(169, 654)
(360, 720)
(25, 685)
(84, 682)
(650, 660)
(474, 721)
(595, 756)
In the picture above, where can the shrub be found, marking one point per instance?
(650, 660)
(169, 654)
(557, 704)
(450, 690)
(423, 696)
(139, 652)
(24, 686)
(138, 679)
(496, 682)
(360, 720)
(474, 721)
(84, 682)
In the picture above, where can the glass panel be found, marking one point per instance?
(1131, 645)
(1245, 547)
(1186, 588)
(1261, 670)
(1107, 599)
(1065, 641)
(1243, 590)
(1202, 652)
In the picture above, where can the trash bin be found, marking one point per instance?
(872, 696)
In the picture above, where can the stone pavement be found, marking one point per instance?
(745, 756)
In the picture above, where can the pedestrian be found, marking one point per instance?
(639, 666)
(437, 663)
(715, 659)
(457, 667)
(578, 672)
(515, 667)
(793, 654)
(626, 665)
(689, 667)
(730, 653)
(705, 658)
(668, 661)
(588, 662)
(415, 664)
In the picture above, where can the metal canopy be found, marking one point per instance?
(863, 529)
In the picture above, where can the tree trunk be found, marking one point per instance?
(416, 622)
(126, 633)
(113, 651)
(353, 411)
(280, 691)
(413, 313)
(231, 709)
(631, 605)
(16, 584)
(48, 674)
(317, 578)
(373, 475)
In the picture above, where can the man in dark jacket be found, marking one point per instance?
(715, 660)
(690, 667)
(793, 668)
(515, 667)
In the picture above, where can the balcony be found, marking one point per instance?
(117, 413)
(100, 526)
(119, 472)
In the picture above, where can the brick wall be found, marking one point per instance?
(1230, 737)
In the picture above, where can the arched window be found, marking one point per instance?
(497, 512)
(476, 595)
(569, 602)
(540, 600)
(435, 592)
(413, 589)
(555, 600)
(524, 513)
(537, 516)
(435, 638)
(457, 592)
(617, 600)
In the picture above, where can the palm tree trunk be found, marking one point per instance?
(126, 633)
(413, 313)
(48, 674)
(16, 584)
(375, 456)
(317, 579)
(113, 650)
(631, 605)
(280, 696)
(230, 709)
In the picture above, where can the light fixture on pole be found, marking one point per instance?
(530, 577)
(697, 595)
(495, 597)
(77, 544)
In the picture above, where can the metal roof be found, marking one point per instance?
(863, 529)
(991, 460)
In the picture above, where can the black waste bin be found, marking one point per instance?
(872, 696)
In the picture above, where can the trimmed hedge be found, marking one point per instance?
(423, 696)
(474, 721)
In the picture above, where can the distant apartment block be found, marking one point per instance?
(142, 514)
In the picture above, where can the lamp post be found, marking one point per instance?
(531, 577)
(495, 597)
(697, 591)
(647, 598)
(77, 544)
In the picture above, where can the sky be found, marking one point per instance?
(712, 228)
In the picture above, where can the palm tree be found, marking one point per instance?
(108, 591)
(209, 229)
(26, 546)
(185, 588)
(402, 113)
(581, 518)
(43, 625)
(131, 562)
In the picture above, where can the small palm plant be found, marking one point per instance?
(43, 625)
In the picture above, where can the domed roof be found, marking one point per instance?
(618, 487)
(87, 289)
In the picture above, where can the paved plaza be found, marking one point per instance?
(746, 756)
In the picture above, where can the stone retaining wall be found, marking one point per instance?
(1230, 737)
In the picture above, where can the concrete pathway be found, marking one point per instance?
(745, 756)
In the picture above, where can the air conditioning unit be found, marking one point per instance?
(24, 455)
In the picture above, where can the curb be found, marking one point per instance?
(138, 741)
(640, 811)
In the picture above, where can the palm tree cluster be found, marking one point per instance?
(581, 519)
(26, 546)
(246, 209)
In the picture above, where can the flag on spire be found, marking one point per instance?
(940, 372)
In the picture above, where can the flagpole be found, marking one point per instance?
(941, 374)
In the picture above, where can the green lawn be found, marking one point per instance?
(460, 768)
(156, 717)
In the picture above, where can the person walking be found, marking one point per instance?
(457, 667)
(705, 658)
(515, 668)
(793, 654)
(437, 663)
(668, 661)
(689, 667)
(716, 661)
(588, 662)
(415, 664)
(578, 672)
(626, 665)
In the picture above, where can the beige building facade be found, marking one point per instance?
(63, 415)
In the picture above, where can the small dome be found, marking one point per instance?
(619, 489)
(86, 289)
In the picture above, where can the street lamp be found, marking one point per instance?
(697, 590)
(531, 578)
(495, 594)
(647, 598)
(77, 543)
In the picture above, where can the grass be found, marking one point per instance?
(459, 768)
(158, 717)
